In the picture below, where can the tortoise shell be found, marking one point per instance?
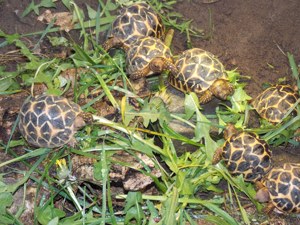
(245, 153)
(48, 121)
(274, 102)
(142, 52)
(198, 70)
(133, 22)
(283, 185)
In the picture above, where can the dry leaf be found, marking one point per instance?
(62, 19)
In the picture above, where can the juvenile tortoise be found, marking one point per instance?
(281, 189)
(274, 102)
(147, 56)
(133, 22)
(50, 121)
(201, 72)
(244, 153)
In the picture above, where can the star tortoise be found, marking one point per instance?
(274, 102)
(50, 121)
(201, 72)
(133, 22)
(281, 188)
(244, 153)
(147, 56)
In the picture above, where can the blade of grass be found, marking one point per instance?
(294, 68)
(106, 90)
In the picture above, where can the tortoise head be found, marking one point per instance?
(262, 195)
(160, 64)
(222, 88)
(229, 131)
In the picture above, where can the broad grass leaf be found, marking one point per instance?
(169, 208)
(91, 12)
(48, 213)
(5, 220)
(54, 221)
(133, 208)
(6, 200)
(5, 83)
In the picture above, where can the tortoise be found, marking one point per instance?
(274, 102)
(281, 189)
(148, 56)
(201, 72)
(244, 153)
(135, 21)
(50, 121)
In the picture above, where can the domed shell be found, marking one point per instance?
(283, 185)
(133, 22)
(274, 102)
(48, 121)
(198, 70)
(143, 51)
(244, 153)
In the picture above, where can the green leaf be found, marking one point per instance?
(47, 4)
(133, 208)
(67, 4)
(5, 83)
(239, 100)
(54, 221)
(28, 9)
(48, 213)
(169, 208)
(142, 147)
(6, 200)
(5, 220)
(91, 12)
(98, 170)
(202, 125)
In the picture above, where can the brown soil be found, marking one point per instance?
(253, 36)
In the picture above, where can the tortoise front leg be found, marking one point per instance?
(140, 74)
(269, 208)
(205, 97)
(140, 86)
(112, 42)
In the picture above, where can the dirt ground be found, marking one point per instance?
(251, 35)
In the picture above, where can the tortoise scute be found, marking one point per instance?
(237, 155)
(243, 166)
(285, 177)
(266, 162)
(283, 188)
(284, 203)
(295, 195)
(58, 123)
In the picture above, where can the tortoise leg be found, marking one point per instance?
(140, 74)
(269, 208)
(112, 42)
(205, 97)
(140, 86)
(217, 156)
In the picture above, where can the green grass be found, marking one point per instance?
(183, 176)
